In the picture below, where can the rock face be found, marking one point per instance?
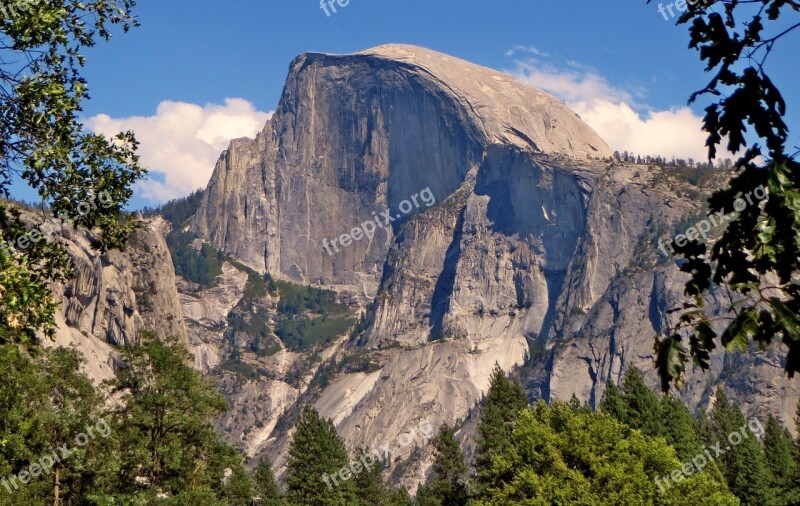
(358, 134)
(116, 296)
(619, 290)
(535, 246)
(539, 254)
(463, 284)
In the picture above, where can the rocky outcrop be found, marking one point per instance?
(539, 254)
(355, 135)
(114, 297)
(619, 290)
(205, 313)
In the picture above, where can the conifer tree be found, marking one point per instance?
(399, 497)
(370, 488)
(779, 452)
(703, 427)
(578, 407)
(447, 485)
(612, 403)
(316, 456)
(742, 464)
(238, 488)
(642, 406)
(504, 401)
(682, 431)
(679, 428)
(265, 486)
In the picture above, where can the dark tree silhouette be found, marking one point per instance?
(757, 259)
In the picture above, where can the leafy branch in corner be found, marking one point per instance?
(757, 258)
(43, 144)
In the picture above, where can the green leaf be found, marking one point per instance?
(670, 358)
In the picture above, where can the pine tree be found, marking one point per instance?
(703, 428)
(743, 464)
(447, 485)
(577, 406)
(163, 431)
(678, 428)
(612, 403)
(238, 489)
(399, 497)
(370, 488)
(779, 451)
(504, 401)
(316, 456)
(642, 406)
(563, 455)
(265, 486)
(681, 431)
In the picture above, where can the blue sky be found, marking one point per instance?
(622, 66)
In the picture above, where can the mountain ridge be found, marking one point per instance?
(538, 255)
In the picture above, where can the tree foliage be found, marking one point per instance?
(744, 464)
(566, 456)
(317, 452)
(44, 404)
(504, 401)
(642, 406)
(162, 430)
(81, 177)
(611, 403)
(757, 259)
(155, 441)
(447, 484)
(780, 452)
(265, 485)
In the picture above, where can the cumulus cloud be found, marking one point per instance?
(181, 143)
(619, 116)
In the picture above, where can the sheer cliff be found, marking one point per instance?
(537, 252)
(536, 245)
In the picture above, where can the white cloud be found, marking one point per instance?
(181, 143)
(617, 114)
(668, 133)
(526, 49)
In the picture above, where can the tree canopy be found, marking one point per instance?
(81, 177)
(566, 456)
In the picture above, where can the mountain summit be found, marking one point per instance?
(476, 221)
(509, 112)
